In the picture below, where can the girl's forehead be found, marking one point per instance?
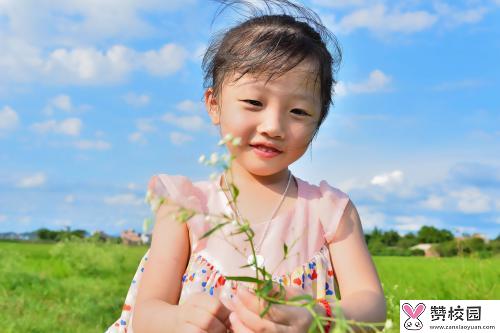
(299, 81)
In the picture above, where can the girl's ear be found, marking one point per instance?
(212, 106)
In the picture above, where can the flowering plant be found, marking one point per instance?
(265, 289)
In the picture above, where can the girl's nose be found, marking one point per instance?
(271, 124)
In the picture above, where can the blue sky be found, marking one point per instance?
(98, 96)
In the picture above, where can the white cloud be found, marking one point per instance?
(137, 137)
(132, 186)
(70, 126)
(376, 82)
(3, 218)
(36, 180)
(433, 202)
(94, 145)
(190, 106)
(192, 123)
(178, 138)
(120, 223)
(62, 102)
(145, 125)
(417, 219)
(123, 199)
(339, 3)
(168, 60)
(62, 222)
(453, 16)
(198, 53)
(8, 119)
(388, 179)
(471, 200)
(69, 198)
(86, 65)
(379, 20)
(83, 21)
(414, 223)
(25, 220)
(458, 85)
(136, 100)
(370, 218)
(59, 102)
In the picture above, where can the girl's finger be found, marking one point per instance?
(203, 318)
(236, 324)
(253, 321)
(190, 328)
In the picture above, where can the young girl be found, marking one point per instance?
(270, 84)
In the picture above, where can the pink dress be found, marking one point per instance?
(307, 230)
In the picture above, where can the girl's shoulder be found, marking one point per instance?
(328, 203)
(177, 188)
(322, 192)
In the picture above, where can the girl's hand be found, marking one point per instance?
(280, 318)
(202, 313)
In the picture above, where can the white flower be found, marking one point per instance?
(213, 175)
(214, 158)
(388, 324)
(236, 141)
(148, 196)
(221, 142)
(202, 159)
(155, 204)
(228, 137)
(234, 222)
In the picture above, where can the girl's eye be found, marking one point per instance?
(251, 101)
(301, 112)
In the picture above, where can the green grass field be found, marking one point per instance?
(77, 287)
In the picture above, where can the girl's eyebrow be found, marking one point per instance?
(297, 95)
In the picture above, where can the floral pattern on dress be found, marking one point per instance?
(316, 278)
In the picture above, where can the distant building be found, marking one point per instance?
(100, 235)
(146, 238)
(475, 235)
(130, 237)
(427, 248)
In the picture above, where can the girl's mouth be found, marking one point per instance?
(265, 152)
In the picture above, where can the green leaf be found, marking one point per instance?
(266, 310)
(234, 191)
(244, 279)
(183, 215)
(301, 298)
(268, 286)
(285, 249)
(214, 229)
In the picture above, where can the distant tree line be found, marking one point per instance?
(77, 234)
(385, 243)
(443, 243)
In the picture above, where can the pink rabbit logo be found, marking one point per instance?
(413, 323)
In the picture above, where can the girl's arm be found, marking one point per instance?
(362, 296)
(160, 286)
(156, 308)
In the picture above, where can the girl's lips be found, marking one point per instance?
(266, 154)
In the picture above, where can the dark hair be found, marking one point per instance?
(273, 44)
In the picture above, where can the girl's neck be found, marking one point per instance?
(253, 183)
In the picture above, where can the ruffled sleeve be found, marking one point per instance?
(331, 207)
(177, 189)
(181, 191)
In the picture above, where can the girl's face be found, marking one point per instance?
(283, 113)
